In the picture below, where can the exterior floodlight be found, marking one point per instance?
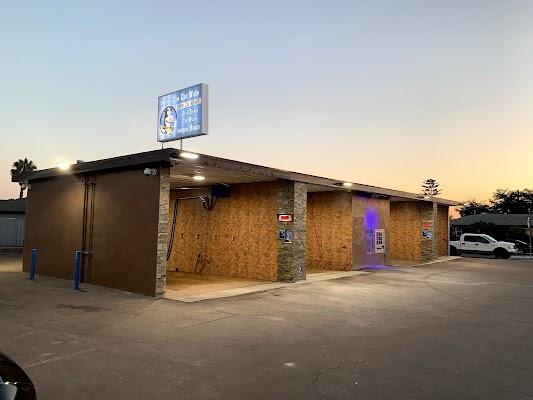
(63, 166)
(198, 177)
(192, 156)
(347, 184)
(427, 197)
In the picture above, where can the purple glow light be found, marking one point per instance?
(371, 218)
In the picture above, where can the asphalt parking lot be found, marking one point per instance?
(454, 330)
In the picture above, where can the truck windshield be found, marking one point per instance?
(489, 238)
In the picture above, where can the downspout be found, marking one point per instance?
(84, 225)
(91, 229)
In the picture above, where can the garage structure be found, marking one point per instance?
(140, 219)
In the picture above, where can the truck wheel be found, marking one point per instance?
(501, 253)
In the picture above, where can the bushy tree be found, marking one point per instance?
(20, 167)
(505, 201)
(430, 187)
(472, 207)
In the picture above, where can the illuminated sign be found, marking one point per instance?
(183, 114)
(427, 224)
(285, 217)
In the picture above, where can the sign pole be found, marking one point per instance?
(529, 227)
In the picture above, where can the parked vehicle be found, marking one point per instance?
(14, 383)
(475, 243)
(521, 246)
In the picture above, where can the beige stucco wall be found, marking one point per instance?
(369, 213)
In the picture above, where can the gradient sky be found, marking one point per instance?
(386, 93)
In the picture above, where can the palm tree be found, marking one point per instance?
(20, 167)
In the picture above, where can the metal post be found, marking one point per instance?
(33, 259)
(530, 230)
(77, 271)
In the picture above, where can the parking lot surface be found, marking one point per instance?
(460, 329)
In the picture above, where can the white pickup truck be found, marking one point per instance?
(475, 243)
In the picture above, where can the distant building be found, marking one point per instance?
(505, 224)
(12, 221)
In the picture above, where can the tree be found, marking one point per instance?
(512, 201)
(472, 207)
(430, 187)
(21, 167)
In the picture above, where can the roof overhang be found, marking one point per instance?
(219, 170)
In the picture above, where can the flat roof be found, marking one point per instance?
(496, 219)
(13, 206)
(220, 170)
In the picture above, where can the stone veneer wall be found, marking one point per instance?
(329, 230)
(162, 231)
(291, 260)
(428, 213)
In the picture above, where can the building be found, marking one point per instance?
(139, 219)
(501, 226)
(12, 220)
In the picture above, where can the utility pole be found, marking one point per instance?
(529, 227)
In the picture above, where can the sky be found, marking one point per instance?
(386, 93)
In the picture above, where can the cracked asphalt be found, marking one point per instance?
(455, 330)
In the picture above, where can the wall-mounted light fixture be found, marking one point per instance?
(150, 171)
(198, 177)
(63, 166)
(191, 156)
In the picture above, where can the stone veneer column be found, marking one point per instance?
(428, 214)
(292, 199)
(162, 231)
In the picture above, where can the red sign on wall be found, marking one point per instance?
(427, 224)
(285, 217)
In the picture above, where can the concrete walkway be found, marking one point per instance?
(409, 263)
(230, 287)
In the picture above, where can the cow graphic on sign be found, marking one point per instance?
(167, 120)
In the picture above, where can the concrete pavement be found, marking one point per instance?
(455, 330)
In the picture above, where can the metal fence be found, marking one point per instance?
(11, 232)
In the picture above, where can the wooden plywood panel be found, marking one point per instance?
(329, 216)
(442, 230)
(405, 236)
(240, 232)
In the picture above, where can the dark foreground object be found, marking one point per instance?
(14, 383)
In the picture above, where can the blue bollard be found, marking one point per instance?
(32, 268)
(77, 272)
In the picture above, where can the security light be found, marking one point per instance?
(192, 156)
(198, 177)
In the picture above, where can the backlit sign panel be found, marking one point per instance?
(183, 114)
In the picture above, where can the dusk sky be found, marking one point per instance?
(386, 93)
